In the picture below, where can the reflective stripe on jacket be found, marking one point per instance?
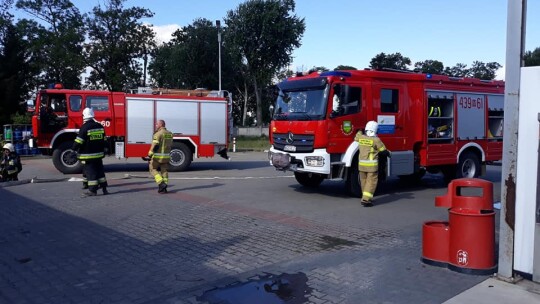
(161, 145)
(368, 156)
(90, 142)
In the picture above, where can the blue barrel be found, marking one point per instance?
(17, 134)
(26, 150)
(19, 148)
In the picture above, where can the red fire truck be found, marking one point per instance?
(200, 121)
(429, 123)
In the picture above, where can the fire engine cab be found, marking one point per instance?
(199, 120)
(429, 123)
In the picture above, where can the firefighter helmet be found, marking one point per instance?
(371, 128)
(88, 114)
(9, 147)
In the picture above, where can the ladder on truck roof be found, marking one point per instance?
(196, 92)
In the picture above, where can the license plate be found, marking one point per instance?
(289, 148)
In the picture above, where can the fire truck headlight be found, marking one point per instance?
(314, 161)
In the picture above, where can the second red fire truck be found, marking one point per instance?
(429, 123)
(200, 122)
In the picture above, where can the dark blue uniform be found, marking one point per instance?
(90, 145)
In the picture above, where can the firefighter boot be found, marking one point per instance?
(366, 203)
(84, 186)
(88, 193)
(105, 192)
(162, 188)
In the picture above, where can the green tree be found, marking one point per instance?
(190, 59)
(344, 68)
(394, 61)
(118, 41)
(165, 66)
(486, 71)
(318, 69)
(15, 72)
(430, 67)
(263, 33)
(284, 74)
(57, 39)
(532, 58)
(459, 70)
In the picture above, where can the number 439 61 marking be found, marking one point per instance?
(471, 103)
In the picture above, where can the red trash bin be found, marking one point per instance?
(435, 242)
(469, 235)
(472, 241)
(472, 222)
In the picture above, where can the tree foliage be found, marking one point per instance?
(394, 61)
(263, 33)
(532, 58)
(486, 71)
(459, 70)
(191, 59)
(429, 67)
(344, 67)
(117, 40)
(57, 40)
(318, 69)
(15, 71)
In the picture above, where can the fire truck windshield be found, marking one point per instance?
(304, 104)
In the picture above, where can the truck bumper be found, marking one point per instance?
(317, 161)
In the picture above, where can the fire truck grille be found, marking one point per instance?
(301, 143)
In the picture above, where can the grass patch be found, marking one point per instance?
(254, 143)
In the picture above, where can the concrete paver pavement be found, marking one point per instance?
(210, 235)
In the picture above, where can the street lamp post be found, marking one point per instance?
(218, 24)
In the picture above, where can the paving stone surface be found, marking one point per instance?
(135, 246)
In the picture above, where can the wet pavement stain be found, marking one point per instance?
(270, 289)
(332, 242)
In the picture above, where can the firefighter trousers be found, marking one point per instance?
(95, 174)
(368, 183)
(159, 171)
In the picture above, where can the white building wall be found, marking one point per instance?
(526, 180)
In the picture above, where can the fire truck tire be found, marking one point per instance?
(468, 166)
(311, 180)
(63, 160)
(181, 157)
(352, 183)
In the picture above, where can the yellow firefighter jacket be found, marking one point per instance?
(161, 145)
(369, 149)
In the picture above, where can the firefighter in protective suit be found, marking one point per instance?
(90, 147)
(10, 164)
(159, 157)
(370, 148)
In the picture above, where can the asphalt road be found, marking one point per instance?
(222, 224)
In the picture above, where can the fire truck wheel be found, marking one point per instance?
(352, 183)
(64, 161)
(181, 157)
(308, 179)
(469, 165)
